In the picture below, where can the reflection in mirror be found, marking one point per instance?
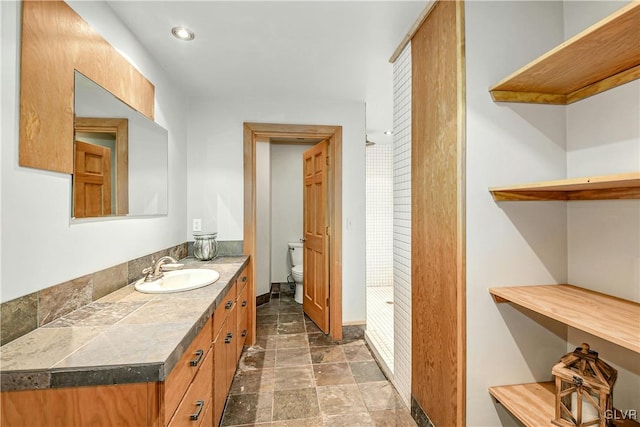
(121, 157)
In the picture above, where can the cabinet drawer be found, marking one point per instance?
(223, 310)
(243, 302)
(185, 370)
(242, 281)
(242, 331)
(194, 406)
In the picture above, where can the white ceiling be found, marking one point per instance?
(302, 51)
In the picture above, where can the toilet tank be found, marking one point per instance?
(295, 253)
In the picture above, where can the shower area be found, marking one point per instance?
(379, 247)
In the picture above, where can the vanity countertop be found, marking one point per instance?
(124, 337)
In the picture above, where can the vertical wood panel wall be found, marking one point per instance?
(55, 42)
(438, 235)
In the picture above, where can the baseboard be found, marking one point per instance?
(262, 299)
(418, 414)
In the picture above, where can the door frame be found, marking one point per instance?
(261, 131)
(120, 129)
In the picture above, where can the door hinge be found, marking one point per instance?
(327, 160)
(327, 230)
(327, 301)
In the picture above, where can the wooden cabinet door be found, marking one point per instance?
(219, 374)
(231, 352)
(193, 407)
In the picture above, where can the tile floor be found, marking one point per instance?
(380, 322)
(297, 376)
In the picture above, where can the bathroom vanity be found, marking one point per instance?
(133, 359)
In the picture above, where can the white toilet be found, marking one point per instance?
(296, 257)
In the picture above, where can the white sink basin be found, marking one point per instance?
(178, 281)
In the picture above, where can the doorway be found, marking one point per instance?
(254, 132)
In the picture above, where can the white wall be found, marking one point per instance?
(603, 137)
(40, 247)
(286, 205)
(263, 218)
(215, 191)
(402, 224)
(510, 244)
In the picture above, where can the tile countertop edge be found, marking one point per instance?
(39, 379)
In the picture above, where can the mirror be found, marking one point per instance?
(120, 157)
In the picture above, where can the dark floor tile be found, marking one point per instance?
(340, 399)
(290, 318)
(294, 404)
(333, 374)
(320, 340)
(292, 341)
(330, 354)
(356, 352)
(380, 396)
(266, 319)
(365, 372)
(253, 358)
(248, 409)
(265, 342)
(286, 308)
(311, 327)
(393, 417)
(292, 357)
(294, 377)
(350, 420)
(266, 330)
(267, 309)
(352, 333)
(291, 328)
(305, 422)
(257, 381)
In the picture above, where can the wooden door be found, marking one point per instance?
(315, 301)
(91, 180)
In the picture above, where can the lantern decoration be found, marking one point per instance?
(584, 389)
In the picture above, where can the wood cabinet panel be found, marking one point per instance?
(438, 215)
(186, 369)
(193, 407)
(222, 311)
(130, 405)
(219, 376)
(55, 42)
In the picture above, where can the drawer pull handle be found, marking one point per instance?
(227, 340)
(244, 303)
(244, 333)
(244, 278)
(196, 415)
(199, 354)
(228, 305)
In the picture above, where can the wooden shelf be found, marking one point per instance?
(603, 187)
(613, 319)
(602, 57)
(533, 404)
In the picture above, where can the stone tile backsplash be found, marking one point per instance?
(56, 301)
(25, 314)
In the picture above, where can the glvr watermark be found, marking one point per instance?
(627, 414)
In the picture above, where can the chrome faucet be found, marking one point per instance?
(156, 271)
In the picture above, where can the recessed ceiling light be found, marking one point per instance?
(388, 132)
(183, 33)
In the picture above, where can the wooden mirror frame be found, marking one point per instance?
(56, 41)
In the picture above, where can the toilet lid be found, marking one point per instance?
(297, 269)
